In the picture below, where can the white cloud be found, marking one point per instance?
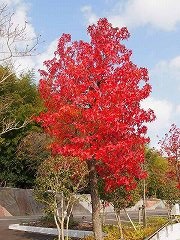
(10, 2)
(160, 14)
(20, 9)
(178, 110)
(46, 55)
(89, 15)
(174, 64)
(19, 18)
(163, 111)
(165, 77)
(36, 62)
(168, 74)
(164, 118)
(166, 85)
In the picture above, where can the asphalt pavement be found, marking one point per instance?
(6, 234)
(110, 217)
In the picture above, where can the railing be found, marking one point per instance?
(170, 231)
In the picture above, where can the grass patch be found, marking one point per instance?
(153, 224)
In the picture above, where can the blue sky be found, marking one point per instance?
(155, 40)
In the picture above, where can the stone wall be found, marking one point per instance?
(19, 202)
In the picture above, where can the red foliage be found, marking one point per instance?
(170, 147)
(92, 93)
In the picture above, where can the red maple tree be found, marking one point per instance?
(92, 93)
(170, 147)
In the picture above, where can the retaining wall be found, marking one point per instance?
(19, 202)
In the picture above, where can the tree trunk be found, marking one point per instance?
(177, 166)
(118, 217)
(62, 216)
(57, 225)
(139, 215)
(103, 213)
(69, 215)
(96, 217)
(144, 205)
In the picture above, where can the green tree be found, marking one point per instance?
(19, 102)
(18, 98)
(160, 182)
(156, 167)
(169, 193)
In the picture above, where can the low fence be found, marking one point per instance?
(167, 232)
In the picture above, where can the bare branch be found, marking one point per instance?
(8, 126)
(4, 77)
(15, 41)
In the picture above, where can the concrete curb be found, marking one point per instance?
(49, 231)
